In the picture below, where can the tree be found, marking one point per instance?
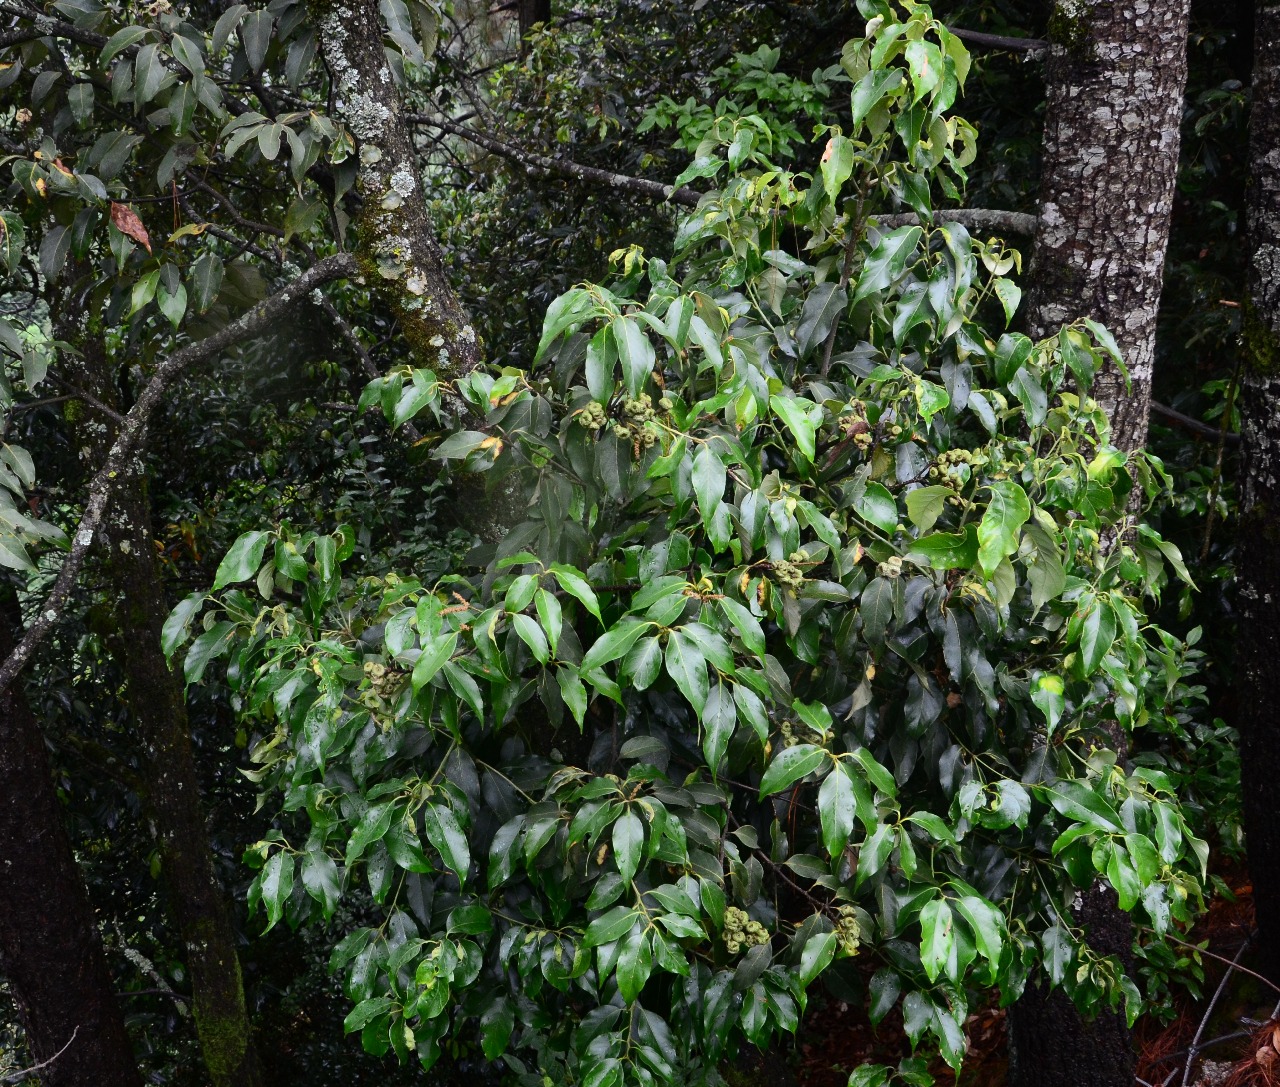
(83, 219)
(1115, 77)
(1259, 413)
(811, 639)
(49, 945)
(169, 785)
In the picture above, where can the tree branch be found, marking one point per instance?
(127, 441)
(1009, 222)
(999, 41)
(26, 1073)
(1193, 425)
(534, 163)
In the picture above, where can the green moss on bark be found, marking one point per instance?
(1261, 344)
(1069, 27)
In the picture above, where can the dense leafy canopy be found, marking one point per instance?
(814, 640)
(810, 610)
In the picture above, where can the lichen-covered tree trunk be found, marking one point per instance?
(1115, 78)
(197, 904)
(397, 247)
(1258, 569)
(50, 950)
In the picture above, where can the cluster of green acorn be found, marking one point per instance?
(807, 735)
(856, 426)
(789, 572)
(384, 684)
(848, 931)
(593, 416)
(891, 567)
(638, 412)
(949, 470)
(740, 931)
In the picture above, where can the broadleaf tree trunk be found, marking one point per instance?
(1115, 76)
(50, 950)
(532, 12)
(1258, 559)
(196, 903)
(395, 239)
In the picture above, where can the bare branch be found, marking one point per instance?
(26, 1073)
(535, 163)
(1193, 425)
(1008, 222)
(127, 441)
(999, 41)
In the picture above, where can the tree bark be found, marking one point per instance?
(532, 12)
(50, 950)
(1115, 79)
(196, 902)
(1050, 1043)
(1258, 562)
(397, 248)
(1115, 74)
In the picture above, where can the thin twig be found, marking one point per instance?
(856, 230)
(1194, 1050)
(1222, 958)
(18, 1077)
(1009, 222)
(102, 489)
(366, 360)
(1193, 425)
(77, 393)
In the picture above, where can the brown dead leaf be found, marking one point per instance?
(127, 222)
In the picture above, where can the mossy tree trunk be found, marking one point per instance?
(50, 950)
(396, 243)
(1258, 561)
(1115, 76)
(197, 904)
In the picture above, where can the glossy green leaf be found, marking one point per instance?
(628, 844)
(276, 883)
(1000, 529)
(937, 938)
(789, 766)
(613, 644)
(794, 413)
(445, 833)
(687, 666)
(242, 561)
(925, 505)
